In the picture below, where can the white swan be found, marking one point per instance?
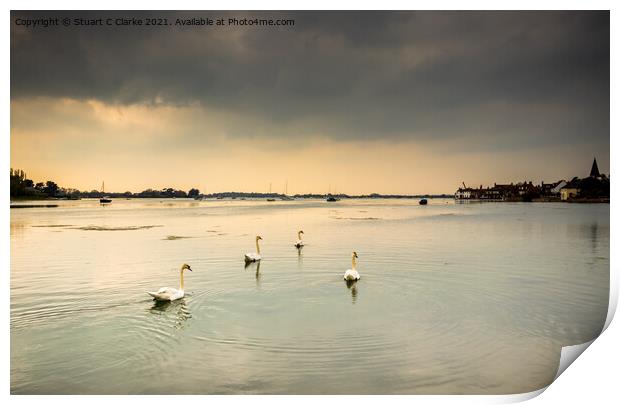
(254, 257)
(299, 243)
(170, 294)
(352, 274)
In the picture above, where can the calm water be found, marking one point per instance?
(454, 298)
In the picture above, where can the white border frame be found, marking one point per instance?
(593, 378)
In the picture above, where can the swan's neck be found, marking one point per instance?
(181, 286)
(299, 235)
(257, 247)
(353, 262)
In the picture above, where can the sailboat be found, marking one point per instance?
(105, 199)
(330, 197)
(270, 199)
(285, 197)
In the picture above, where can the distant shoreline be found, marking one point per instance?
(252, 196)
(44, 202)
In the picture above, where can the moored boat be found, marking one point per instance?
(105, 199)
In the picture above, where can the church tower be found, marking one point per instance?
(594, 171)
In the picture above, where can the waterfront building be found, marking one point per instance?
(463, 194)
(558, 187)
(568, 192)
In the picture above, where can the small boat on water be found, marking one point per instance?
(286, 197)
(331, 197)
(270, 199)
(423, 201)
(105, 199)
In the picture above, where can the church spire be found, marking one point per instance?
(594, 171)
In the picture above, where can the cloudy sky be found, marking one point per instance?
(389, 102)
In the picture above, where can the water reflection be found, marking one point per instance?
(352, 286)
(300, 257)
(257, 272)
(178, 308)
(17, 228)
(253, 265)
(594, 234)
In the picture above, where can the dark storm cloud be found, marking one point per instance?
(517, 78)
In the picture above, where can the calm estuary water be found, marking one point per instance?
(454, 298)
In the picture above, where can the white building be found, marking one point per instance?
(568, 192)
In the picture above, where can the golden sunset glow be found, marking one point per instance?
(80, 143)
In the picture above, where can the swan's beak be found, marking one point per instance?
(189, 268)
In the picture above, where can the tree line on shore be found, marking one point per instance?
(23, 187)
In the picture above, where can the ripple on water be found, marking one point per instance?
(115, 228)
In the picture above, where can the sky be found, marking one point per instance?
(352, 102)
